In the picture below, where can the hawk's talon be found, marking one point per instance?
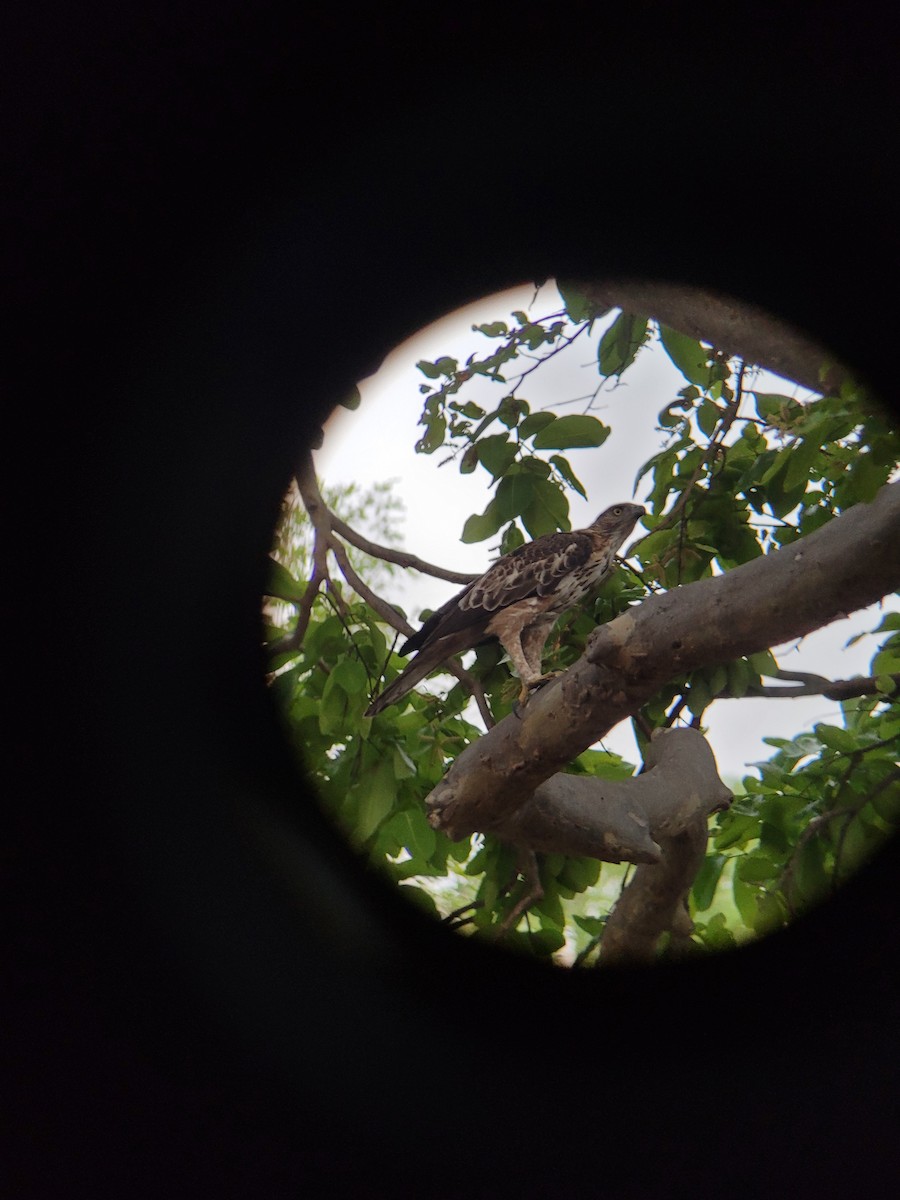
(532, 685)
(547, 677)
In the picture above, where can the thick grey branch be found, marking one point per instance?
(846, 565)
(655, 901)
(737, 328)
(624, 820)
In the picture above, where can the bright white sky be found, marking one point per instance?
(376, 443)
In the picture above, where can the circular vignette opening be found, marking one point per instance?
(578, 622)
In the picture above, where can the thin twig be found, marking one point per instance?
(533, 891)
(294, 640)
(400, 557)
(384, 610)
(816, 685)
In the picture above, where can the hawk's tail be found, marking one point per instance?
(426, 661)
(420, 666)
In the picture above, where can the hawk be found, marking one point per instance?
(518, 600)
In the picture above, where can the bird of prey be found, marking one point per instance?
(518, 600)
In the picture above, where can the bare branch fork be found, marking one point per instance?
(325, 526)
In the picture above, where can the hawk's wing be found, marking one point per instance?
(534, 569)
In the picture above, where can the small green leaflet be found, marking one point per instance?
(433, 437)
(619, 345)
(569, 432)
(282, 585)
(562, 465)
(377, 793)
(578, 306)
(496, 453)
(687, 354)
(534, 422)
(443, 366)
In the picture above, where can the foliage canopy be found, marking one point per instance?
(740, 472)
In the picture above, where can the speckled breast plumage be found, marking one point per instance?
(574, 586)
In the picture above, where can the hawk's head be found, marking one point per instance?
(617, 521)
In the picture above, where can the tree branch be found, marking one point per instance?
(623, 820)
(400, 557)
(325, 525)
(294, 640)
(846, 565)
(655, 901)
(817, 685)
(308, 487)
(737, 328)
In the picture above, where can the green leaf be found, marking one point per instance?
(349, 674)
(716, 933)
(571, 431)
(802, 457)
(282, 585)
(836, 739)
(534, 422)
(688, 355)
(433, 437)
(378, 791)
(469, 461)
(707, 881)
(469, 409)
(492, 329)
(777, 410)
(578, 306)
(620, 343)
(579, 873)
(604, 764)
(429, 370)
(511, 410)
(411, 829)
(404, 767)
(497, 453)
(763, 663)
(810, 877)
(887, 803)
(708, 415)
(351, 400)
(548, 509)
(886, 662)
(593, 926)
(740, 677)
(480, 527)
(515, 493)
(512, 538)
(736, 828)
(562, 465)
(755, 868)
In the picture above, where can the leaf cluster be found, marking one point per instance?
(822, 805)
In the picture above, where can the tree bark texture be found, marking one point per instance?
(844, 566)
